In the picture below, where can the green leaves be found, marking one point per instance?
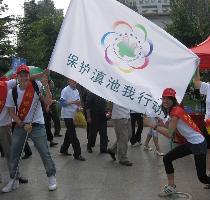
(6, 46)
(38, 32)
(190, 21)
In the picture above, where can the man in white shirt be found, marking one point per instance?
(122, 127)
(70, 102)
(29, 121)
(204, 90)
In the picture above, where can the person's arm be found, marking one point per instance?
(46, 72)
(10, 104)
(67, 102)
(108, 109)
(13, 115)
(197, 81)
(76, 102)
(167, 132)
(27, 126)
(89, 100)
(47, 99)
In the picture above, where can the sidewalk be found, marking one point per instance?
(99, 178)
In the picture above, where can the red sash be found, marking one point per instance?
(26, 102)
(3, 96)
(181, 114)
(208, 125)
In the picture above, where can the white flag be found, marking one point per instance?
(121, 56)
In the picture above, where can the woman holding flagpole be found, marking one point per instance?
(205, 90)
(195, 142)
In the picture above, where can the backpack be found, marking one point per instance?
(15, 94)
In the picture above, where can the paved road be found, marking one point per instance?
(99, 178)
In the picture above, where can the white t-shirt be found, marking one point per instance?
(205, 90)
(188, 133)
(5, 118)
(119, 112)
(35, 114)
(69, 94)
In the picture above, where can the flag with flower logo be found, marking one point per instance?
(120, 55)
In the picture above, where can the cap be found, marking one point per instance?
(23, 68)
(169, 92)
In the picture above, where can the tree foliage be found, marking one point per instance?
(6, 46)
(190, 21)
(38, 31)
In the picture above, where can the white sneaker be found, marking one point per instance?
(52, 183)
(167, 190)
(136, 144)
(11, 185)
(159, 153)
(147, 148)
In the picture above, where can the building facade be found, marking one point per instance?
(157, 11)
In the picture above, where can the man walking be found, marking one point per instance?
(70, 102)
(122, 127)
(136, 134)
(97, 120)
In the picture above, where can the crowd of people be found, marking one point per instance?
(27, 107)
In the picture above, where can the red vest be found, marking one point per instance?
(180, 113)
(3, 96)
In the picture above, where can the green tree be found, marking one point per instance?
(40, 40)
(6, 47)
(190, 21)
(38, 31)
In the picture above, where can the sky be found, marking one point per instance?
(16, 6)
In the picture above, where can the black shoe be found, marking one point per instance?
(103, 151)
(80, 158)
(2, 154)
(58, 135)
(23, 180)
(89, 150)
(112, 154)
(65, 153)
(52, 144)
(207, 186)
(126, 163)
(26, 156)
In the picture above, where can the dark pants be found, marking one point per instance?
(207, 136)
(71, 138)
(184, 150)
(98, 124)
(1, 151)
(136, 134)
(47, 120)
(55, 117)
(88, 128)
